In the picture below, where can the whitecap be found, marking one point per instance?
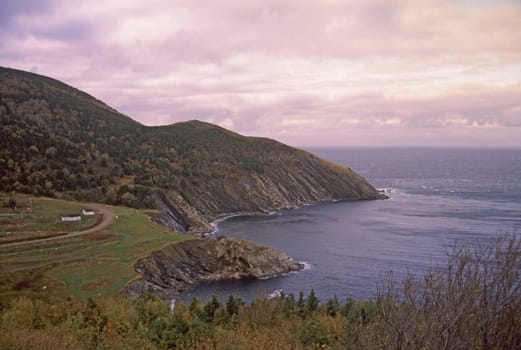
(305, 265)
(277, 293)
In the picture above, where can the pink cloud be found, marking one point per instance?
(303, 72)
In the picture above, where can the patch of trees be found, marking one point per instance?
(11, 203)
(131, 196)
(251, 164)
(59, 140)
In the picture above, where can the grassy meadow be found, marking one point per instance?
(38, 217)
(97, 264)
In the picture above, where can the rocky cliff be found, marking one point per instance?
(181, 266)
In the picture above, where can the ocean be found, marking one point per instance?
(438, 198)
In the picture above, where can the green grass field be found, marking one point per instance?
(97, 264)
(36, 218)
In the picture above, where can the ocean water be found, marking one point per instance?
(439, 197)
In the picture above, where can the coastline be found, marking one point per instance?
(191, 256)
(220, 218)
(215, 223)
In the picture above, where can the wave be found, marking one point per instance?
(385, 190)
(305, 265)
(277, 293)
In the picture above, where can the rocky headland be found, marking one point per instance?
(181, 266)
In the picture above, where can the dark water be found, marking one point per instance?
(438, 197)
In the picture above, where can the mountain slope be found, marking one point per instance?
(60, 141)
(241, 174)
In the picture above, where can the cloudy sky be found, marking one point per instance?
(308, 73)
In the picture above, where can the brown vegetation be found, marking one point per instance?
(473, 303)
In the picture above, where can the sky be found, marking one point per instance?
(307, 73)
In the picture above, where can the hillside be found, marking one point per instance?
(62, 142)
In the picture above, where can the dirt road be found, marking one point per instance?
(107, 218)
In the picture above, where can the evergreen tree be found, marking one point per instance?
(232, 306)
(210, 308)
(11, 203)
(332, 307)
(301, 303)
(289, 305)
(312, 302)
(347, 307)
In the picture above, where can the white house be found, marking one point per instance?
(69, 218)
(88, 212)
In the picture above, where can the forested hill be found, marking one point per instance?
(59, 141)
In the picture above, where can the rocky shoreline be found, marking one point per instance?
(181, 266)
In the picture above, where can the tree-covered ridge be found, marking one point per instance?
(56, 138)
(59, 139)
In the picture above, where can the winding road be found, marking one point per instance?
(107, 218)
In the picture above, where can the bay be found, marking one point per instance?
(439, 197)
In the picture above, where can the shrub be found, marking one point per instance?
(475, 302)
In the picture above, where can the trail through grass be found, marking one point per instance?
(97, 264)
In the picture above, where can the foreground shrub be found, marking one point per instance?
(473, 303)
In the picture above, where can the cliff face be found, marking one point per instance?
(287, 180)
(183, 265)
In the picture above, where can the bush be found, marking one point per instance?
(11, 203)
(475, 302)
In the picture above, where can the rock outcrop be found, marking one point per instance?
(181, 266)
